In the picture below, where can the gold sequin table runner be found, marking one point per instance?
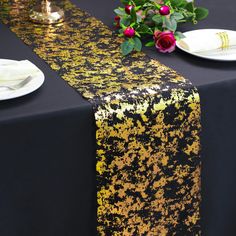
(147, 123)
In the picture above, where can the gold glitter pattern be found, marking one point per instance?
(147, 123)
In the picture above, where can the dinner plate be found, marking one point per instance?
(228, 54)
(31, 86)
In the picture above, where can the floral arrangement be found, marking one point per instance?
(140, 20)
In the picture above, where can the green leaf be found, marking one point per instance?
(190, 7)
(150, 44)
(170, 24)
(157, 19)
(133, 15)
(179, 35)
(125, 20)
(174, 3)
(147, 4)
(120, 12)
(144, 29)
(201, 13)
(127, 47)
(178, 3)
(177, 16)
(137, 44)
(139, 2)
(139, 18)
(125, 2)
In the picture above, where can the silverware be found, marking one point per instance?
(19, 85)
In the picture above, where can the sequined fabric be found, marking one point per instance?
(147, 123)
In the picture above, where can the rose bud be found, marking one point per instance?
(164, 10)
(129, 32)
(128, 9)
(165, 41)
(117, 21)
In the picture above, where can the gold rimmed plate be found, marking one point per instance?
(219, 54)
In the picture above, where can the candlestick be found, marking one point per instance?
(46, 13)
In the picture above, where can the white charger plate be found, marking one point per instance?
(34, 84)
(218, 54)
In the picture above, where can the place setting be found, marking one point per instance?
(212, 44)
(18, 78)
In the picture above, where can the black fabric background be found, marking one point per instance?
(47, 144)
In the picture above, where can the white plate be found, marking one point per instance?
(34, 84)
(218, 54)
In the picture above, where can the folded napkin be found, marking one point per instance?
(12, 72)
(200, 41)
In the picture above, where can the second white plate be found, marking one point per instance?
(218, 54)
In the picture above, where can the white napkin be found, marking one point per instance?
(12, 72)
(206, 40)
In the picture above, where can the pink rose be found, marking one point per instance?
(165, 41)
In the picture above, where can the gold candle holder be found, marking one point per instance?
(46, 13)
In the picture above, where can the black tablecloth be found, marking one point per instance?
(47, 142)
